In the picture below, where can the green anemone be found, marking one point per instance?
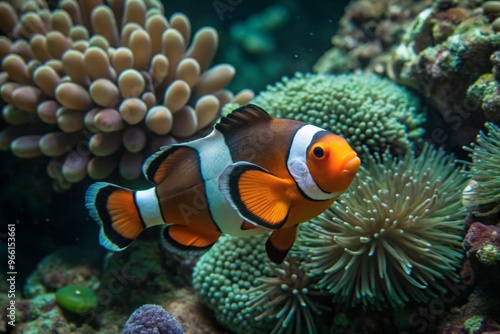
(286, 297)
(394, 235)
(482, 195)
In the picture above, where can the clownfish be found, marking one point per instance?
(252, 174)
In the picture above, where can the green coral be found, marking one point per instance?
(485, 92)
(488, 254)
(484, 172)
(394, 235)
(249, 294)
(76, 299)
(224, 276)
(365, 109)
(473, 324)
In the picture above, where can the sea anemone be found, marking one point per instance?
(394, 235)
(285, 297)
(484, 173)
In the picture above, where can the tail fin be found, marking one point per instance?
(115, 210)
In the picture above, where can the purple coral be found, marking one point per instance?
(152, 319)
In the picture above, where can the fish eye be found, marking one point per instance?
(318, 152)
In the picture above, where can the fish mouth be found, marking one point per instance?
(351, 164)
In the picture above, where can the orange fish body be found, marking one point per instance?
(253, 174)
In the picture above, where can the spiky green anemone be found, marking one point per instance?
(484, 172)
(286, 297)
(365, 109)
(394, 235)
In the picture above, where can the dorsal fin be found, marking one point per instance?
(243, 117)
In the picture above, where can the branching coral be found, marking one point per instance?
(366, 109)
(484, 173)
(97, 86)
(394, 235)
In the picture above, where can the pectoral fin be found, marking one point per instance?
(258, 196)
(280, 242)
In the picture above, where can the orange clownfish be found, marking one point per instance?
(252, 174)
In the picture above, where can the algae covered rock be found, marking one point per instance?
(151, 319)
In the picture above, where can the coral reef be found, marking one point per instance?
(482, 195)
(97, 87)
(367, 34)
(480, 270)
(484, 92)
(479, 314)
(41, 315)
(152, 319)
(394, 235)
(65, 266)
(442, 51)
(482, 244)
(144, 273)
(445, 54)
(365, 109)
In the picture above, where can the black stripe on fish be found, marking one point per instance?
(105, 220)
